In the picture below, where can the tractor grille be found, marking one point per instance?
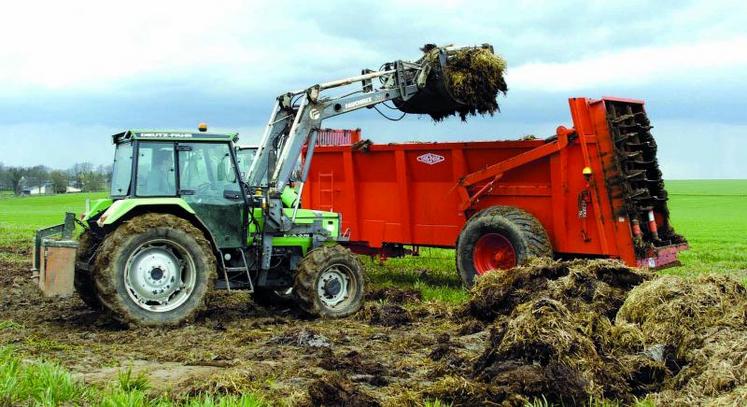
(637, 178)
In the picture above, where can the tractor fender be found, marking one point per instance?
(96, 208)
(125, 209)
(120, 208)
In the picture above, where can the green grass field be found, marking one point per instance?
(40, 383)
(712, 215)
(20, 217)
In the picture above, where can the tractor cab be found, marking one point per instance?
(166, 164)
(198, 171)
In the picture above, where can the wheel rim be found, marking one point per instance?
(160, 275)
(493, 251)
(336, 286)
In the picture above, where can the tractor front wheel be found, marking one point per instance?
(329, 282)
(154, 269)
(499, 237)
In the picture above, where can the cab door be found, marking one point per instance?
(209, 183)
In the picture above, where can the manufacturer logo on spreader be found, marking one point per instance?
(430, 158)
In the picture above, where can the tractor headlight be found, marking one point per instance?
(102, 218)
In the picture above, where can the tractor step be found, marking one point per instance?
(226, 282)
(230, 269)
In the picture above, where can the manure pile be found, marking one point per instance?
(591, 330)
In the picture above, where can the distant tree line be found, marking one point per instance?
(81, 176)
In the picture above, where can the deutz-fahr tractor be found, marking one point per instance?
(182, 219)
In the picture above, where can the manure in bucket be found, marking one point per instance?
(460, 81)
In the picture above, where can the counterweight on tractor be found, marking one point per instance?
(182, 219)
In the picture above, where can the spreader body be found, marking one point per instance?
(595, 188)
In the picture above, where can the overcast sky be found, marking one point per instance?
(73, 73)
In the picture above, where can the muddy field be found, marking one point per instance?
(571, 332)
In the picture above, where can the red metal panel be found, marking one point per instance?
(407, 193)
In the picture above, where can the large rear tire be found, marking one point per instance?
(329, 282)
(155, 269)
(499, 237)
(83, 281)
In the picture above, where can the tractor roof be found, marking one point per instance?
(183, 135)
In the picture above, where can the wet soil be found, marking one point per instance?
(235, 346)
(563, 331)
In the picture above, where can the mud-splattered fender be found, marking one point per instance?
(120, 208)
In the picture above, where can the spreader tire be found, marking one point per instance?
(82, 280)
(154, 269)
(329, 282)
(499, 237)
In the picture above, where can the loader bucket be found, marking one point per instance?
(463, 81)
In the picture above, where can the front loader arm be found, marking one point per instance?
(294, 119)
(296, 116)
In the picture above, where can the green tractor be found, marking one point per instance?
(180, 222)
(185, 216)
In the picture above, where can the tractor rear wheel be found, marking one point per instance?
(329, 282)
(155, 269)
(82, 279)
(499, 237)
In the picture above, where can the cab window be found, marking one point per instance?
(245, 156)
(156, 174)
(206, 169)
(122, 170)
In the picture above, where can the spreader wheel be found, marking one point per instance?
(329, 282)
(499, 237)
(493, 251)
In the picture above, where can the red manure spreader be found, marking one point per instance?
(593, 190)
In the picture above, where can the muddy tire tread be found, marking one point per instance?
(534, 238)
(105, 265)
(304, 287)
